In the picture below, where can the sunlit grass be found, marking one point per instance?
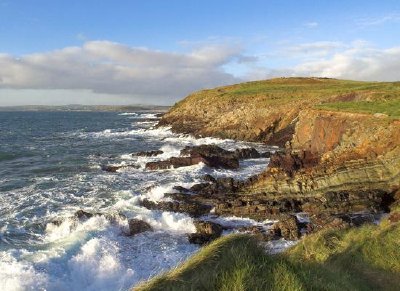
(366, 258)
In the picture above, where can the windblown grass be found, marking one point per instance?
(366, 258)
(371, 97)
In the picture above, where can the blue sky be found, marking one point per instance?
(125, 52)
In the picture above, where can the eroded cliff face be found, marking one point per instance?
(336, 151)
(220, 113)
(332, 161)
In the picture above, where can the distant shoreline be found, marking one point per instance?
(84, 108)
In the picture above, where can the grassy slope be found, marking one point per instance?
(366, 258)
(371, 97)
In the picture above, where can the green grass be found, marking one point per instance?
(366, 258)
(372, 97)
(389, 107)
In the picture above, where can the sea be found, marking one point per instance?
(51, 166)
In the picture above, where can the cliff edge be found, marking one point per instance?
(340, 142)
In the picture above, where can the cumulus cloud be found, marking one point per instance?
(112, 68)
(358, 60)
(112, 73)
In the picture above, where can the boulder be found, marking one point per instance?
(206, 231)
(81, 214)
(288, 228)
(138, 226)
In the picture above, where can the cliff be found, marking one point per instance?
(341, 142)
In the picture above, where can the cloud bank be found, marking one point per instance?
(107, 72)
(111, 68)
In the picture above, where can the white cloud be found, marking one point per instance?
(111, 73)
(358, 60)
(112, 68)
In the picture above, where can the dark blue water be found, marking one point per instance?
(50, 167)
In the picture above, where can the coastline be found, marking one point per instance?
(341, 168)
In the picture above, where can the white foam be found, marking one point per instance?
(168, 221)
(72, 226)
(97, 267)
(17, 276)
(128, 113)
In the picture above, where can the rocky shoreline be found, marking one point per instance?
(341, 168)
(216, 197)
(338, 168)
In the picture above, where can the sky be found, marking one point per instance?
(157, 52)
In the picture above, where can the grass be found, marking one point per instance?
(365, 258)
(372, 97)
(389, 107)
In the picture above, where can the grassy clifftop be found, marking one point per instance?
(267, 110)
(366, 258)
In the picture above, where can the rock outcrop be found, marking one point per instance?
(138, 226)
(333, 162)
(211, 155)
(206, 231)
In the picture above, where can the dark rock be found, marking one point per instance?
(247, 153)
(137, 226)
(325, 221)
(209, 178)
(80, 214)
(174, 162)
(206, 231)
(288, 228)
(265, 155)
(181, 189)
(358, 219)
(148, 153)
(186, 205)
(291, 162)
(113, 169)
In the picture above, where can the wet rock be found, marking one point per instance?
(247, 153)
(209, 178)
(113, 169)
(206, 231)
(185, 205)
(148, 153)
(181, 189)
(81, 214)
(358, 219)
(174, 162)
(288, 228)
(138, 226)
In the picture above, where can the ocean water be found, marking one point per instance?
(50, 167)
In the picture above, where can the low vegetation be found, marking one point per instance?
(331, 94)
(365, 258)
